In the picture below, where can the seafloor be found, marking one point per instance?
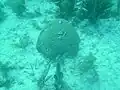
(24, 66)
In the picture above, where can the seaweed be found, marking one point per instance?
(87, 64)
(2, 13)
(59, 83)
(5, 79)
(66, 8)
(44, 78)
(94, 10)
(17, 6)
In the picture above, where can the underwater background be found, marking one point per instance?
(59, 44)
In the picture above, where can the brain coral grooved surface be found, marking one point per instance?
(58, 38)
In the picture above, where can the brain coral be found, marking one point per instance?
(57, 39)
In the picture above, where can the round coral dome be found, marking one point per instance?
(57, 39)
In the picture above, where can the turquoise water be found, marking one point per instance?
(59, 44)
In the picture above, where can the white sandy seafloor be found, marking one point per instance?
(102, 40)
